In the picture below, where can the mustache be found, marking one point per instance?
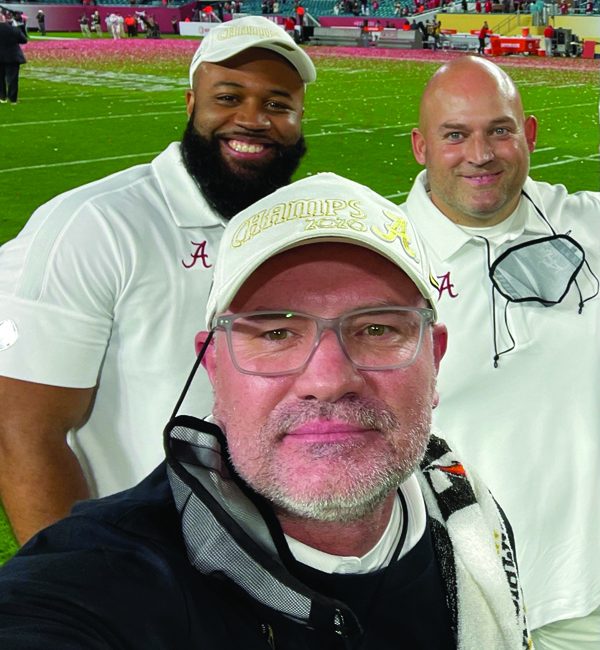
(362, 412)
(229, 191)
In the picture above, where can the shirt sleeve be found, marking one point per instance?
(59, 280)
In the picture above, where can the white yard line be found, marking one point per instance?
(17, 125)
(79, 162)
(567, 160)
(567, 107)
(563, 161)
(394, 196)
(122, 80)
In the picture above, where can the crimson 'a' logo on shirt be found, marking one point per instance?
(198, 254)
(443, 284)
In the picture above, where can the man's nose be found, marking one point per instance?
(481, 150)
(329, 374)
(252, 115)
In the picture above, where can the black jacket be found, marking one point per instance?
(116, 576)
(10, 40)
(190, 558)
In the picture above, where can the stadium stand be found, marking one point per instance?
(384, 9)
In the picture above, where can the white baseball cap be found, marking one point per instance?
(321, 208)
(230, 38)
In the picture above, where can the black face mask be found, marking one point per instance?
(229, 192)
(542, 270)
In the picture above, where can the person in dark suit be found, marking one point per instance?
(11, 59)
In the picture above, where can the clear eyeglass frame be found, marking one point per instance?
(225, 322)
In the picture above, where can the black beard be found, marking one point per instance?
(229, 192)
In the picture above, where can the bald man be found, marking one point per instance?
(516, 264)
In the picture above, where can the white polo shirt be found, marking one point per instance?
(531, 427)
(107, 284)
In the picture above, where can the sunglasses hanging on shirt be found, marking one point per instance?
(540, 270)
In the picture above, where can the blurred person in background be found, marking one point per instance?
(41, 21)
(96, 23)
(548, 38)
(11, 60)
(483, 34)
(84, 25)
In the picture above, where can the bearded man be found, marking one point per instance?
(95, 292)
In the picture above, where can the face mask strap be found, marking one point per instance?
(582, 301)
(540, 213)
(497, 354)
(512, 338)
(509, 299)
(192, 374)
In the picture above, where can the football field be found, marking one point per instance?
(90, 108)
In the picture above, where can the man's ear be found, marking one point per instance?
(209, 359)
(418, 146)
(189, 102)
(440, 343)
(530, 132)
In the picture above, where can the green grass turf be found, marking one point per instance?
(8, 546)
(358, 120)
(79, 120)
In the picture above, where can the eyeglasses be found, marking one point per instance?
(271, 343)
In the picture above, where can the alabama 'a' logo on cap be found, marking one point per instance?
(397, 228)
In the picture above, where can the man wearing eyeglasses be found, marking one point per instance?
(516, 264)
(313, 509)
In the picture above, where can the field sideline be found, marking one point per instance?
(89, 108)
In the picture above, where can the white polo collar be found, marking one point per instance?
(188, 207)
(380, 555)
(446, 238)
